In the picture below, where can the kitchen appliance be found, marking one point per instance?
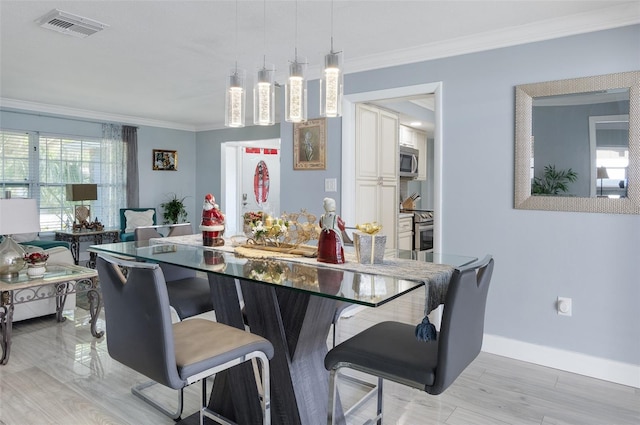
(422, 230)
(408, 162)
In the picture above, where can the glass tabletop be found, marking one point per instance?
(370, 289)
(54, 274)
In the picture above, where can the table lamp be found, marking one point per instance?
(602, 174)
(82, 192)
(16, 216)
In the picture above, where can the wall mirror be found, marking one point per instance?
(578, 145)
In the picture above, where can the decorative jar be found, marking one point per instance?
(36, 270)
(36, 263)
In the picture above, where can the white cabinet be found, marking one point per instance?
(405, 233)
(376, 197)
(406, 136)
(418, 140)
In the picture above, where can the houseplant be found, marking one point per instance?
(174, 210)
(553, 182)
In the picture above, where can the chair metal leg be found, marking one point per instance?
(333, 389)
(379, 410)
(265, 396)
(266, 388)
(334, 374)
(175, 415)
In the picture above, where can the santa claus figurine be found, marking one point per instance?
(212, 225)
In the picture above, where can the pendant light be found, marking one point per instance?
(264, 99)
(296, 88)
(235, 94)
(331, 81)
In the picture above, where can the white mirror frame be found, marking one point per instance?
(523, 146)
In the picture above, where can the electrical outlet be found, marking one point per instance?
(564, 306)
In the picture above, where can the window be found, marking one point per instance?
(615, 161)
(39, 166)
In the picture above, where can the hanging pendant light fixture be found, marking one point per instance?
(296, 87)
(331, 81)
(235, 94)
(264, 89)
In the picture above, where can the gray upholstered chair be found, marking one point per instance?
(140, 335)
(390, 350)
(189, 295)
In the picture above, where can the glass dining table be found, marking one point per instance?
(292, 302)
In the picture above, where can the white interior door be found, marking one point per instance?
(244, 180)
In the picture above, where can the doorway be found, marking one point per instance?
(250, 180)
(348, 148)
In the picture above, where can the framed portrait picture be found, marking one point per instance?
(165, 160)
(310, 145)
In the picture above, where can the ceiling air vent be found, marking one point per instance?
(70, 24)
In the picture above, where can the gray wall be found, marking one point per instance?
(540, 255)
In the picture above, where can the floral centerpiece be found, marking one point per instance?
(270, 231)
(35, 257)
(250, 219)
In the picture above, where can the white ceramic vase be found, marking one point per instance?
(36, 270)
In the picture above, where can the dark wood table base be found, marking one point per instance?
(297, 324)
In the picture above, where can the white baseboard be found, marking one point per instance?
(570, 361)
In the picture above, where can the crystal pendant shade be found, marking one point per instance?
(235, 99)
(296, 93)
(264, 97)
(331, 85)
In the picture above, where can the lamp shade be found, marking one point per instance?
(82, 192)
(602, 173)
(19, 216)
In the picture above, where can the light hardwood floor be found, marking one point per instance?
(60, 374)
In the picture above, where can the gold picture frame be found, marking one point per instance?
(310, 145)
(165, 160)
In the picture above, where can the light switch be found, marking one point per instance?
(330, 185)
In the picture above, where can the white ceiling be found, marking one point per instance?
(164, 62)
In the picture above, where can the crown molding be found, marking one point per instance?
(90, 115)
(603, 19)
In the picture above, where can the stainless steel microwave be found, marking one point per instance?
(408, 162)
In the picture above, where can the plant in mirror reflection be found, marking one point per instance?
(554, 181)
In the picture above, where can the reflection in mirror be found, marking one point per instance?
(609, 145)
(578, 144)
(564, 161)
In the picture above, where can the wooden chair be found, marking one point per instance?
(390, 350)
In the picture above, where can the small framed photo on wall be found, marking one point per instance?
(165, 160)
(310, 145)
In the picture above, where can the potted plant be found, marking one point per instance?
(554, 181)
(174, 210)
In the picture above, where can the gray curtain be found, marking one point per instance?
(130, 138)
